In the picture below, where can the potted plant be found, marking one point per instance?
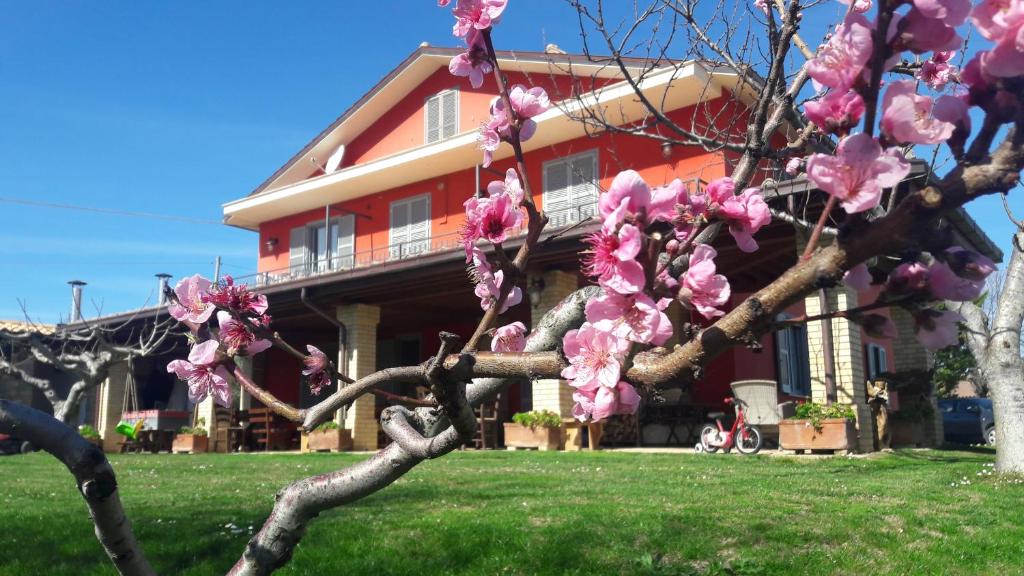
(819, 427)
(192, 438)
(541, 430)
(91, 434)
(329, 436)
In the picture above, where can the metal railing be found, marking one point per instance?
(400, 251)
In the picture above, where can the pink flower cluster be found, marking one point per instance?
(472, 18)
(1002, 22)
(238, 311)
(316, 370)
(489, 283)
(858, 172)
(526, 104)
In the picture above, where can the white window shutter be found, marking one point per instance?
(582, 175)
(556, 192)
(433, 119)
(346, 247)
(449, 113)
(399, 233)
(419, 224)
(297, 251)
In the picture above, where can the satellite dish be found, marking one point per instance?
(335, 160)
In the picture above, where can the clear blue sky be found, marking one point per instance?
(177, 107)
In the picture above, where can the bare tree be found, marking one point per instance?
(83, 353)
(993, 333)
(458, 377)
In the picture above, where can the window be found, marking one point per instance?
(877, 360)
(442, 116)
(570, 189)
(316, 247)
(410, 226)
(793, 362)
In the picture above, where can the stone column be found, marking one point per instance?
(908, 354)
(847, 349)
(552, 394)
(207, 410)
(244, 400)
(111, 405)
(360, 360)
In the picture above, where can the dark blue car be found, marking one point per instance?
(968, 420)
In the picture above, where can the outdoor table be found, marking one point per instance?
(156, 440)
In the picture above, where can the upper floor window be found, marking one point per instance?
(793, 360)
(442, 116)
(570, 189)
(410, 226)
(878, 362)
(322, 245)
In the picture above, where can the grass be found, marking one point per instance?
(910, 512)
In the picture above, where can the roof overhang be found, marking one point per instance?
(673, 87)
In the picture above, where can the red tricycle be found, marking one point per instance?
(745, 437)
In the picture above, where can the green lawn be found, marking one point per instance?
(544, 513)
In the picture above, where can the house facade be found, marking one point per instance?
(358, 249)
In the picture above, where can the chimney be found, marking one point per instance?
(161, 289)
(76, 299)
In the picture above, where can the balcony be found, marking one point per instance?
(390, 254)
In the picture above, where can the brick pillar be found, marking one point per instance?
(245, 364)
(551, 394)
(111, 405)
(908, 354)
(847, 348)
(207, 410)
(361, 360)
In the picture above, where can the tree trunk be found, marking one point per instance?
(1007, 389)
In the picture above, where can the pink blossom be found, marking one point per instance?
(634, 317)
(491, 218)
(488, 288)
(936, 74)
(191, 304)
(511, 186)
(612, 257)
(761, 5)
(237, 337)
(907, 278)
(907, 116)
(837, 112)
(442, 3)
(858, 278)
(960, 277)
(528, 103)
(474, 62)
(841, 60)
(969, 264)
(746, 214)
(478, 14)
(702, 288)
(794, 165)
(602, 402)
(937, 330)
(951, 12)
(691, 213)
(203, 374)
(999, 20)
(316, 370)
(595, 357)
(859, 6)
(664, 200)
(921, 34)
(235, 297)
(858, 172)
(630, 189)
(509, 338)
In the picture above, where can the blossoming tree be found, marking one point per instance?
(653, 246)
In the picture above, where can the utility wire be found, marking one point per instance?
(112, 211)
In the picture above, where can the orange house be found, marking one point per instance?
(358, 247)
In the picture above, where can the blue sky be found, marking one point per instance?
(176, 107)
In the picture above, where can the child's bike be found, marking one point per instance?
(745, 437)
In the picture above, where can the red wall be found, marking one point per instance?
(615, 153)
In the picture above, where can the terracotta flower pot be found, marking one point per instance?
(519, 436)
(834, 434)
(190, 443)
(336, 440)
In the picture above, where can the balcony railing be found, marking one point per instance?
(400, 251)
